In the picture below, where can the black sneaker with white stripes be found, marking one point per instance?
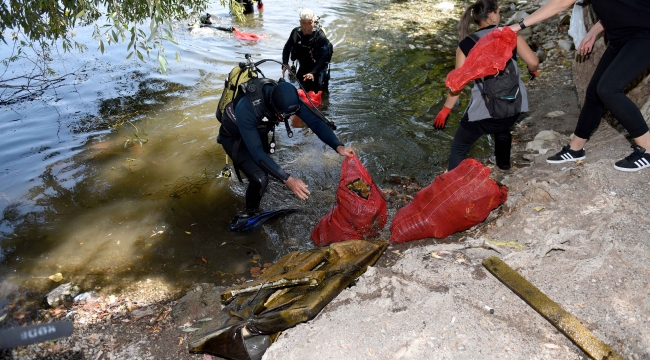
(566, 155)
(636, 161)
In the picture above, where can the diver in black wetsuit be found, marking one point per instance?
(309, 45)
(245, 126)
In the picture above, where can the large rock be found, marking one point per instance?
(63, 293)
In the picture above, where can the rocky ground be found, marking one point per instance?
(579, 232)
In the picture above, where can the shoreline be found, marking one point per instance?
(576, 231)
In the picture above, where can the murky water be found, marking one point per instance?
(114, 178)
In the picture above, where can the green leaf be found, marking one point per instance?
(81, 13)
(163, 63)
(101, 46)
(129, 56)
(140, 55)
(114, 35)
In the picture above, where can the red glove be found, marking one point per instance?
(533, 74)
(441, 118)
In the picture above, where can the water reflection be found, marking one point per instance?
(115, 179)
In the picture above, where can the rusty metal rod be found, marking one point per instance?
(562, 320)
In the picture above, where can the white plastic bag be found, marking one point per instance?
(577, 28)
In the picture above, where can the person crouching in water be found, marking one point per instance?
(477, 120)
(312, 49)
(246, 123)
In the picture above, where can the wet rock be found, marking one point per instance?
(63, 293)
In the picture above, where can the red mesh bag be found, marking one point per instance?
(247, 36)
(360, 209)
(316, 98)
(489, 56)
(455, 201)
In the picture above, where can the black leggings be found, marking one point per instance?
(619, 66)
(464, 139)
(258, 179)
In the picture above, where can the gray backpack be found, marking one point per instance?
(501, 92)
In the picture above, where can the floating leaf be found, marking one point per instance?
(190, 329)
(188, 232)
(56, 277)
(204, 319)
(434, 255)
(539, 208)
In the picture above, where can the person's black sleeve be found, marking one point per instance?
(321, 49)
(288, 46)
(319, 127)
(247, 124)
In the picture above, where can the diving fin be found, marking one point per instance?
(254, 220)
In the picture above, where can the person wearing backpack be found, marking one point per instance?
(485, 114)
(246, 123)
(627, 56)
(309, 45)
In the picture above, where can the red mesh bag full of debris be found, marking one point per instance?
(360, 209)
(489, 56)
(455, 201)
(316, 98)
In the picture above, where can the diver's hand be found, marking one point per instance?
(284, 68)
(533, 74)
(309, 77)
(441, 118)
(297, 187)
(344, 150)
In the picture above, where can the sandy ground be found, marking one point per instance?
(579, 232)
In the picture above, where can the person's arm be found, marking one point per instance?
(587, 43)
(527, 54)
(324, 132)
(247, 124)
(318, 126)
(452, 97)
(286, 51)
(321, 53)
(551, 8)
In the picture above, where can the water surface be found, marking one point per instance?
(114, 177)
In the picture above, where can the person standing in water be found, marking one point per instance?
(309, 45)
